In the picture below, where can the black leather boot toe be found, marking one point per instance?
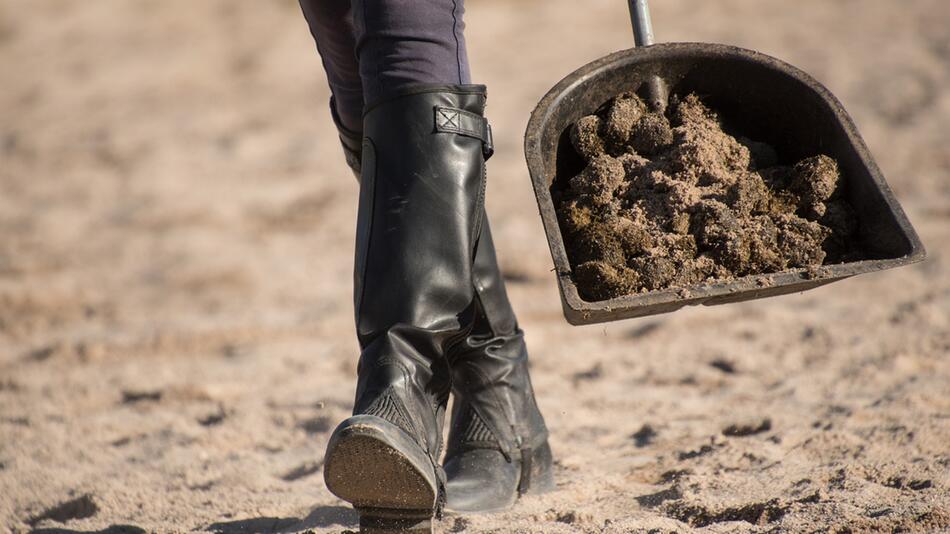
(485, 481)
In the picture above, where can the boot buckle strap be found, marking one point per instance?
(459, 121)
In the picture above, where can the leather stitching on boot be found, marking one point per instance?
(498, 401)
(448, 119)
(475, 433)
(388, 407)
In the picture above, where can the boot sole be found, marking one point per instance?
(383, 472)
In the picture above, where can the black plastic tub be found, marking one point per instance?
(760, 96)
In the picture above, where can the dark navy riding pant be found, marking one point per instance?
(371, 48)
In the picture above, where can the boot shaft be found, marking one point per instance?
(421, 199)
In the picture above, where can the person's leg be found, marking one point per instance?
(498, 440)
(495, 455)
(331, 24)
(418, 222)
(402, 43)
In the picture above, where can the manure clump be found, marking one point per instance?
(672, 200)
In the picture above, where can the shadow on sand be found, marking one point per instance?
(114, 529)
(319, 517)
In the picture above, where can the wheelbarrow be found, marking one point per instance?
(758, 95)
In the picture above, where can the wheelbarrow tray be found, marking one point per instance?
(762, 98)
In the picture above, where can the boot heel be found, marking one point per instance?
(542, 471)
(375, 465)
(379, 521)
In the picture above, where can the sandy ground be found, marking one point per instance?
(176, 336)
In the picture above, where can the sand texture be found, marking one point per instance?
(176, 249)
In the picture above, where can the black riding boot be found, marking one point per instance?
(486, 472)
(498, 446)
(420, 208)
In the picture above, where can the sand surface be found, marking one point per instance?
(176, 333)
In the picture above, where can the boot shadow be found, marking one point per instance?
(319, 517)
(113, 529)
